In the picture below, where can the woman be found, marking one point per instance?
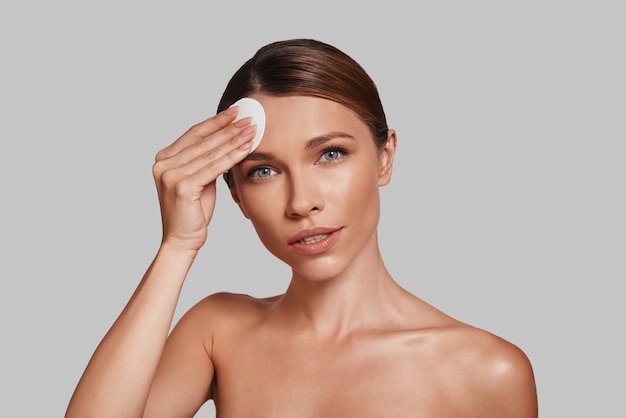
(344, 340)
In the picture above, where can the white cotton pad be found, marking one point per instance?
(251, 107)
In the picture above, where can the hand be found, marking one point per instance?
(185, 174)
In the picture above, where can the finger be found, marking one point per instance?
(220, 142)
(200, 154)
(199, 131)
(222, 157)
(205, 172)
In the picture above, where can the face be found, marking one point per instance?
(311, 188)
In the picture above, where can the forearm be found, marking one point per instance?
(117, 380)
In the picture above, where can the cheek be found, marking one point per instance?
(264, 208)
(358, 186)
(266, 213)
(259, 205)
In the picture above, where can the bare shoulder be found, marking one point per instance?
(228, 311)
(476, 371)
(234, 302)
(498, 359)
(495, 374)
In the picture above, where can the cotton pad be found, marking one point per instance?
(251, 107)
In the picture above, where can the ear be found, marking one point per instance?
(386, 158)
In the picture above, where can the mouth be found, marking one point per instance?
(314, 238)
(315, 241)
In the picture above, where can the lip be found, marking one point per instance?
(328, 237)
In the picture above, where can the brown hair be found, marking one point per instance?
(306, 67)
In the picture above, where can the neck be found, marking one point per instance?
(363, 297)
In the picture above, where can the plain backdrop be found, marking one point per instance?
(506, 207)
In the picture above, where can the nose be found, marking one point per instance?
(304, 196)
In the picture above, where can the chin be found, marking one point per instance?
(320, 270)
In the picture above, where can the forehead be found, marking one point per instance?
(300, 118)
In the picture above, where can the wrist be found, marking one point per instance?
(177, 248)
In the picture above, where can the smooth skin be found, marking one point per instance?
(344, 340)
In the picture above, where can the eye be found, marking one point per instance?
(260, 173)
(333, 154)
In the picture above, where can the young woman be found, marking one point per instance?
(344, 340)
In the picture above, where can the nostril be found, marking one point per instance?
(302, 211)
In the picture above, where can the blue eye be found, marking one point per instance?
(260, 173)
(331, 155)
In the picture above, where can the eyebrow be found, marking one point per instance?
(310, 144)
(319, 140)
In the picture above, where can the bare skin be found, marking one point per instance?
(343, 340)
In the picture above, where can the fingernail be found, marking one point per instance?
(231, 110)
(243, 122)
(246, 146)
(249, 130)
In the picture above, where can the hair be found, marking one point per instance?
(307, 67)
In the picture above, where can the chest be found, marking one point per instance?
(366, 377)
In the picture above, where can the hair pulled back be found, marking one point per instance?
(306, 67)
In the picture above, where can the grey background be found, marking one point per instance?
(506, 209)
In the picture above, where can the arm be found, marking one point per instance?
(117, 380)
(118, 377)
(182, 382)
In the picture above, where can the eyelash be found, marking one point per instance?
(253, 173)
(336, 149)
